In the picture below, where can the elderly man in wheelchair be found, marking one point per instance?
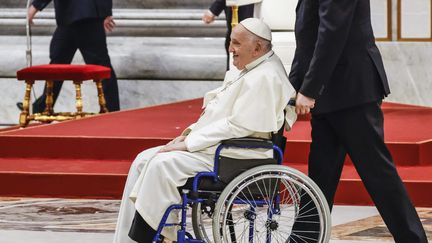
(227, 165)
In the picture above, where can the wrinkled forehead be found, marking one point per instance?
(240, 33)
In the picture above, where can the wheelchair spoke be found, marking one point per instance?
(274, 205)
(303, 238)
(280, 237)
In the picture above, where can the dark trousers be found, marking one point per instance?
(244, 12)
(87, 36)
(358, 132)
(140, 231)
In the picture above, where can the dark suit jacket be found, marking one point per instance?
(217, 7)
(70, 11)
(336, 60)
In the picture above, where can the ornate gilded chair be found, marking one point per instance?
(50, 74)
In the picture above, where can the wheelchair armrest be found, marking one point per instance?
(248, 142)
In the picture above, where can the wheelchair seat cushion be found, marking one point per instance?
(230, 168)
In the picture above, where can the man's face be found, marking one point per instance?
(242, 46)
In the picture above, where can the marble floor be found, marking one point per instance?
(93, 221)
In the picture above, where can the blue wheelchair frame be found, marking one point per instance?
(182, 235)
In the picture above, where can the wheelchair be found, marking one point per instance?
(251, 200)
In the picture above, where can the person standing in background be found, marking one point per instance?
(81, 25)
(340, 78)
(244, 12)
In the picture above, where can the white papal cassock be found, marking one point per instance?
(249, 103)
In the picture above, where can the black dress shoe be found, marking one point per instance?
(20, 106)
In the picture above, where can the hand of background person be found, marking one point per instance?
(109, 24)
(179, 146)
(208, 17)
(304, 104)
(31, 13)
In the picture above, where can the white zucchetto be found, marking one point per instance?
(257, 27)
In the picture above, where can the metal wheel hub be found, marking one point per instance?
(272, 225)
(250, 215)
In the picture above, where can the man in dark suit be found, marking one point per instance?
(244, 12)
(339, 75)
(82, 25)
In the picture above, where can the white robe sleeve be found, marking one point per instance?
(290, 117)
(260, 103)
(255, 110)
(213, 134)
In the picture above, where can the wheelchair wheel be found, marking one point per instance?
(201, 223)
(271, 203)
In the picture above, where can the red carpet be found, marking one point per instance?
(90, 157)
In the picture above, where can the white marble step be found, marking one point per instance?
(130, 22)
(133, 57)
(180, 14)
(181, 58)
(138, 4)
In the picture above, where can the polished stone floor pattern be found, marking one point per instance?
(58, 215)
(80, 220)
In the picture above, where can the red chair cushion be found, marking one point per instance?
(64, 72)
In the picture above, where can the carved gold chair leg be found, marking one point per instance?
(49, 101)
(24, 116)
(78, 98)
(101, 96)
(51, 72)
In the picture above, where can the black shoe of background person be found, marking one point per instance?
(20, 106)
